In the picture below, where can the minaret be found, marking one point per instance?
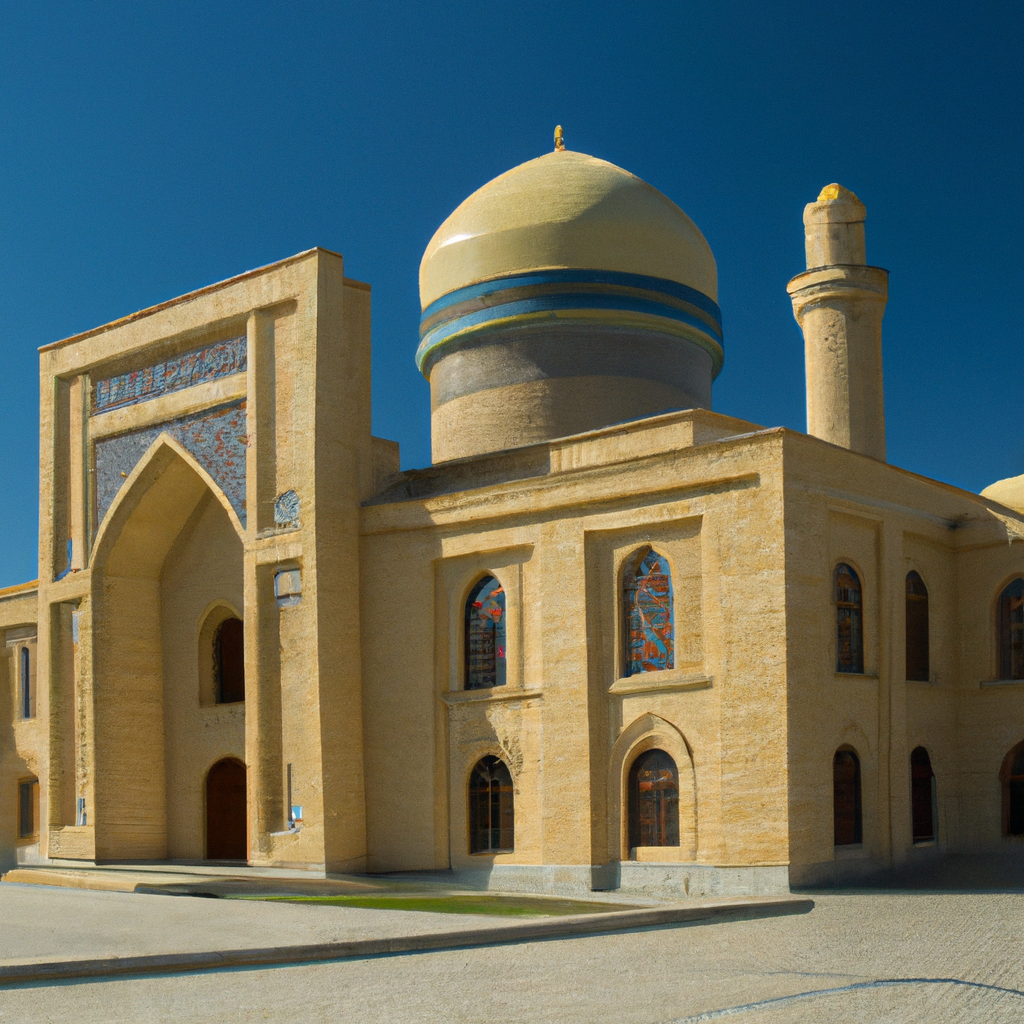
(839, 302)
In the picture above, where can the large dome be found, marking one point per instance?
(566, 210)
(565, 295)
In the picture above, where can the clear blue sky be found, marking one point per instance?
(150, 149)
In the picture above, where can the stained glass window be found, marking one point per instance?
(846, 812)
(849, 621)
(917, 628)
(1011, 631)
(649, 622)
(491, 809)
(653, 800)
(485, 635)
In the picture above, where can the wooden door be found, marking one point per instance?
(227, 832)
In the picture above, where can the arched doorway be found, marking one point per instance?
(227, 833)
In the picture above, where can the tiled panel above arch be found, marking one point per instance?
(211, 362)
(216, 438)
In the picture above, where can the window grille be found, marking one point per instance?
(491, 808)
(653, 800)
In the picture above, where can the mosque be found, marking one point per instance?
(609, 638)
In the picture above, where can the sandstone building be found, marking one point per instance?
(609, 637)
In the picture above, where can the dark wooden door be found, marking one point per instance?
(226, 822)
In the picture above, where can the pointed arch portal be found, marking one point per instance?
(169, 519)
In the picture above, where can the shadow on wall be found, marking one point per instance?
(929, 870)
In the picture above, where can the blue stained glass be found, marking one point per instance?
(649, 620)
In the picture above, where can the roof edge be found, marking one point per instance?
(188, 296)
(19, 588)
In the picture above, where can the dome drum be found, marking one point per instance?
(521, 385)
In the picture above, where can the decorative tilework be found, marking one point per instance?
(286, 509)
(196, 367)
(215, 438)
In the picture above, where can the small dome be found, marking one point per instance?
(1008, 492)
(566, 210)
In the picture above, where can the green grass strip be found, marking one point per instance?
(501, 906)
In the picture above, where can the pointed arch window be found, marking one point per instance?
(485, 635)
(922, 796)
(653, 800)
(849, 620)
(229, 661)
(491, 807)
(1012, 777)
(917, 628)
(1011, 631)
(650, 636)
(846, 809)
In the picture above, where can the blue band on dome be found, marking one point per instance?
(609, 277)
(596, 297)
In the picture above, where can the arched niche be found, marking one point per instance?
(217, 655)
(227, 833)
(152, 519)
(650, 732)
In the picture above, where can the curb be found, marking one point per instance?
(551, 928)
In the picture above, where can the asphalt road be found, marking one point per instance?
(887, 956)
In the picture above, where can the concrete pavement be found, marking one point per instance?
(859, 956)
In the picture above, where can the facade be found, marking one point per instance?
(609, 638)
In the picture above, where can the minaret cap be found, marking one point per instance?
(834, 229)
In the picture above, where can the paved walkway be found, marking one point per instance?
(886, 956)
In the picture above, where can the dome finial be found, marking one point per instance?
(559, 139)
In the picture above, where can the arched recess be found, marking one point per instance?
(153, 480)
(649, 732)
(211, 661)
(152, 516)
(227, 833)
